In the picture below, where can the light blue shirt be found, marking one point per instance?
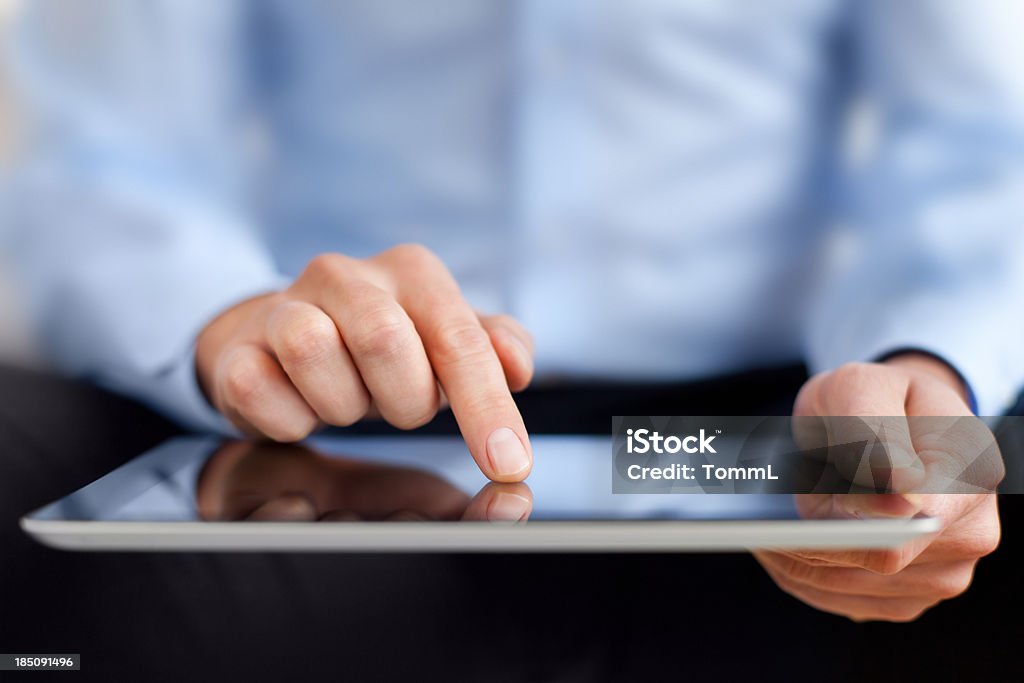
(657, 189)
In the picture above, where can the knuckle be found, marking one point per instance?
(360, 289)
(381, 334)
(853, 388)
(307, 341)
(244, 382)
(462, 342)
(854, 373)
(411, 254)
(325, 265)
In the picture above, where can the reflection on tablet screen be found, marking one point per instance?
(396, 479)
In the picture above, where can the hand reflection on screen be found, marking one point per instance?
(285, 482)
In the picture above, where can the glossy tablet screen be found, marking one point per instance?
(371, 479)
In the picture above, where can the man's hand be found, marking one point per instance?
(896, 584)
(354, 338)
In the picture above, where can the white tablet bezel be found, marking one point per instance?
(553, 536)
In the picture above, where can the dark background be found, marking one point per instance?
(441, 616)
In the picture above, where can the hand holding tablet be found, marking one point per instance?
(924, 454)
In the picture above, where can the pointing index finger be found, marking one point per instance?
(468, 368)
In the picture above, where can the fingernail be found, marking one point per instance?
(506, 452)
(507, 507)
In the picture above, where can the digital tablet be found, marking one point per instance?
(413, 494)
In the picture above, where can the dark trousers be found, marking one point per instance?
(412, 617)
